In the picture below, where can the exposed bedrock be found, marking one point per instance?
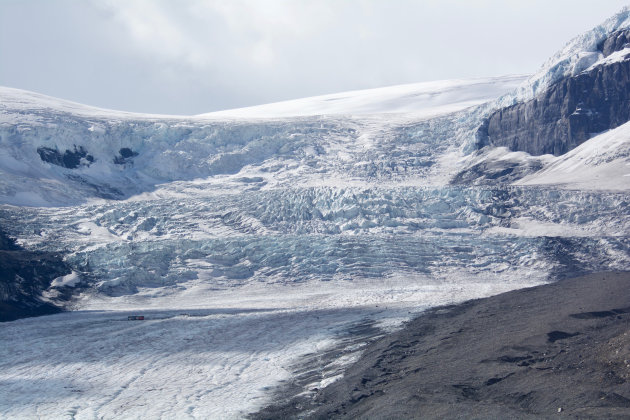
(617, 41)
(569, 112)
(24, 275)
(70, 159)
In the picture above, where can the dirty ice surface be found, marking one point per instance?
(203, 355)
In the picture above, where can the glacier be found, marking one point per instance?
(256, 240)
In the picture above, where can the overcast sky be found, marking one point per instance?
(194, 56)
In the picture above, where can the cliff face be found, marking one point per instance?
(615, 42)
(570, 111)
(23, 277)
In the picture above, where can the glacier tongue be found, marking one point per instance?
(236, 287)
(251, 242)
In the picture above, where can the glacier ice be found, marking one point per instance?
(249, 242)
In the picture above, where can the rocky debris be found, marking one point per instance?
(492, 171)
(530, 353)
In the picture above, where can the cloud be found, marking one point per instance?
(194, 56)
(154, 30)
(198, 33)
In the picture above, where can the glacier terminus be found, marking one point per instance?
(255, 240)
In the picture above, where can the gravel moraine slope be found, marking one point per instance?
(558, 350)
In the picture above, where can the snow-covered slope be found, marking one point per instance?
(426, 99)
(599, 164)
(602, 162)
(35, 106)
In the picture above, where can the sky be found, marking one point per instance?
(193, 56)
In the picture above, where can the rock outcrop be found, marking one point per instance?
(24, 275)
(70, 159)
(125, 155)
(617, 41)
(568, 112)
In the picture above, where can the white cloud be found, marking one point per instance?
(193, 56)
(151, 26)
(200, 32)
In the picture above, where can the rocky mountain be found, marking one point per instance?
(573, 109)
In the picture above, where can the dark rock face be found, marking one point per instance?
(23, 277)
(569, 112)
(491, 172)
(126, 155)
(70, 159)
(617, 41)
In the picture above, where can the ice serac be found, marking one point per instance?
(571, 110)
